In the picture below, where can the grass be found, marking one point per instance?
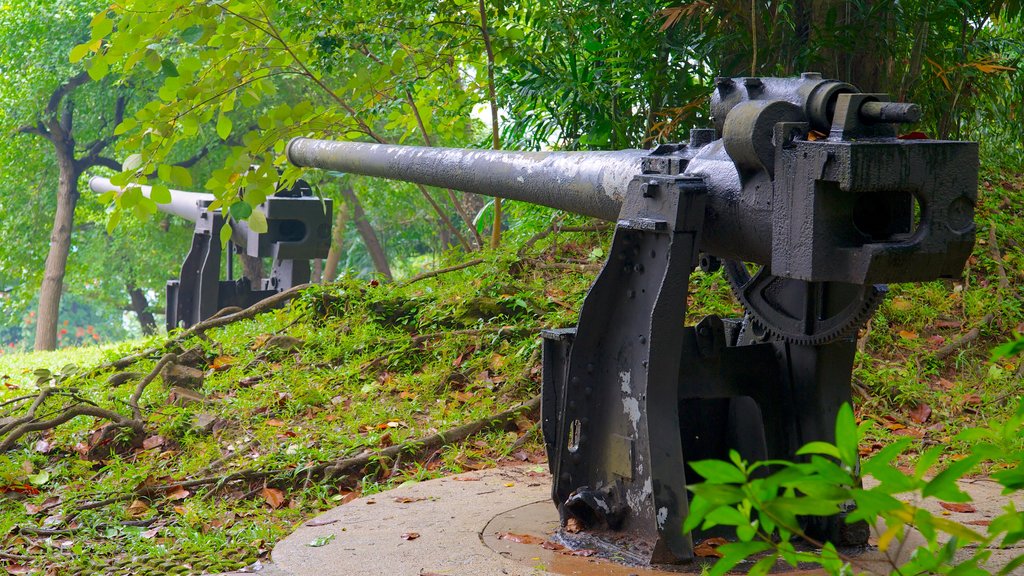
(365, 366)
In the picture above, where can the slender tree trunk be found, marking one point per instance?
(367, 233)
(495, 131)
(337, 244)
(141, 308)
(60, 246)
(252, 268)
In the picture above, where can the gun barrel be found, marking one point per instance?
(588, 183)
(183, 204)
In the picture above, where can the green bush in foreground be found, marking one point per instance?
(764, 508)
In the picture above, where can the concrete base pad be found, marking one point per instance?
(498, 522)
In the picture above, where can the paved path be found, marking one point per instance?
(449, 527)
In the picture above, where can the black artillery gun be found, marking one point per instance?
(298, 230)
(809, 202)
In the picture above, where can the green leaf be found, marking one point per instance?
(99, 68)
(240, 210)
(719, 472)
(160, 194)
(258, 222)
(132, 163)
(126, 125)
(223, 127)
(846, 436)
(734, 553)
(113, 221)
(78, 52)
(944, 485)
(102, 27)
(225, 234)
(168, 68)
(39, 479)
(819, 448)
(192, 34)
(180, 176)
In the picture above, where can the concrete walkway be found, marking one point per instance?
(452, 526)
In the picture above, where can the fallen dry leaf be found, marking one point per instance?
(972, 399)
(273, 497)
(177, 493)
(920, 413)
(136, 508)
(153, 442)
(585, 552)
(408, 500)
(978, 522)
(43, 446)
(410, 535)
(275, 422)
(520, 538)
(908, 335)
(709, 548)
(961, 507)
(222, 363)
(549, 545)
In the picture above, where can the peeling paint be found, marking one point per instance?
(662, 517)
(624, 378)
(631, 406)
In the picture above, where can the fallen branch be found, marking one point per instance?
(965, 339)
(133, 402)
(438, 272)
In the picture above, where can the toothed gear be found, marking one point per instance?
(819, 313)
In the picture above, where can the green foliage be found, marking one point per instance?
(764, 502)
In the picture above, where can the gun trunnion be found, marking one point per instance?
(810, 202)
(298, 230)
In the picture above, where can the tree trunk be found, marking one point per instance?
(337, 244)
(60, 246)
(141, 308)
(252, 268)
(366, 232)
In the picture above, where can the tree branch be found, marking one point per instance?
(63, 90)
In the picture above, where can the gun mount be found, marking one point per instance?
(298, 230)
(805, 196)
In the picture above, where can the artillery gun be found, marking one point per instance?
(298, 230)
(805, 196)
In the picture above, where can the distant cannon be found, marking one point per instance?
(299, 230)
(806, 197)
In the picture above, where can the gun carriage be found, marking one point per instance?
(298, 230)
(809, 202)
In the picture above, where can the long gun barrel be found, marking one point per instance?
(187, 205)
(588, 183)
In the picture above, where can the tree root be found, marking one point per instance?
(964, 340)
(14, 430)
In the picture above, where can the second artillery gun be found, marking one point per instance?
(805, 196)
(298, 230)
